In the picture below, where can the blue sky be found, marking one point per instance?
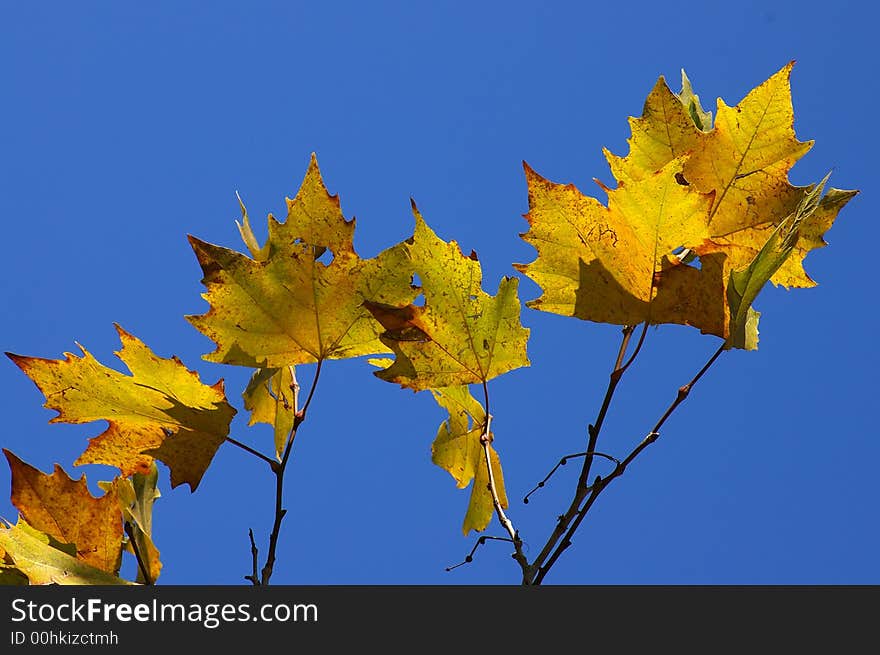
(127, 126)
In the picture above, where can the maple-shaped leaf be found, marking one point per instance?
(742, 162)
(65, 509)
(458, 449)
(284, 305)
(270, 398)
(33, 554)
(745, 159)
(162, 410)
(461, 334)
(617, 263)
(136, 496)
(665, 131)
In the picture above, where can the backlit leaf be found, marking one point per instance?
(162, 410)
(616, 263)
(285, 304)
(740, 163)
(461, 334)
(65, 509)
(136, 496)
(43, 564)
(457, 449)
(270, 398)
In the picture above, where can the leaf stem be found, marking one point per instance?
(600, 484)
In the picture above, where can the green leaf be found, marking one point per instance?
(745, 285)
(136, 497)
(691, 101)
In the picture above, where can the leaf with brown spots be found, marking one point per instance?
(616, 263)
(285, 304)
(64, 508)
(740, 164)
(161, 411)
(461, 335)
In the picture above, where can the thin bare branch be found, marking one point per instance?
(255, 576)
(470, 556)
(485, 441)
(600, 484)
(255, 453)
(593, 430)
(563, 462)
(279, 469)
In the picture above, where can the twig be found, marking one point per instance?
(137, 554)
(600, 484)
(253, 577)
(594, 429)
(563, 462)
(278, 469)
(256, 453)
(470, 556)
(485, 440)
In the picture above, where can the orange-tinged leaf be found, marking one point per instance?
(162, 410)
(65, 509)
(461, 334)
(284, 305)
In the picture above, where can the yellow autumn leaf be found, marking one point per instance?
(284, 304)
(64, 509)
(457, 449)
(617, 263)
(35, 557)
(270, 398)
(664, 132)
(162, 410)
(741, 163)
(744, 160)
(461, 334)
